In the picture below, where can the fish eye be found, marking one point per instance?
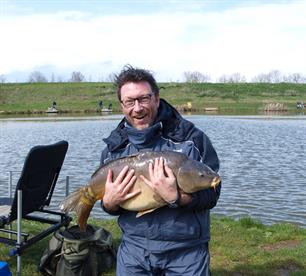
(201, 174)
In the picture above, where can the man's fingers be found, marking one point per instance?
(109, 177)
(156, 161)
(123, 174)
(161, 161)
(159, 170)
(151, 170)
(129, 184)
(132, 194)
(169, 172)
(128, 177)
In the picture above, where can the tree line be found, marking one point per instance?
(274, 76)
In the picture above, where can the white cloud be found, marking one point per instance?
(248, 40)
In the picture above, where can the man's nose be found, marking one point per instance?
(137, 105)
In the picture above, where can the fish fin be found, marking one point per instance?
(79, 203)
(71, 201)
(141, 213)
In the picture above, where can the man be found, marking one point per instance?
(172, 240)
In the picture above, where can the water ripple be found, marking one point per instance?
(262, 160)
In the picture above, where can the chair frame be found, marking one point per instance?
(58, 219)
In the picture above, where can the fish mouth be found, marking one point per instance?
(215, 182)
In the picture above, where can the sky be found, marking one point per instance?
(97, 38)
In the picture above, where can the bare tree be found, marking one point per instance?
(59, 79)
(236, 78)
(77, 77)
(223, 79)
(205, 78)
(52, 78)
(111, 77)
(195, 77)
(101, 79)
(263, 78)
(275, 76)
(2, 78)
(295, 78)
(37, 76)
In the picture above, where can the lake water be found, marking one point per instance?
(263, 159)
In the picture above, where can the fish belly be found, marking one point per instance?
(145, 200)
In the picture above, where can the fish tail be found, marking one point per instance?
(79, 202)
(83, 212)
(71, 201)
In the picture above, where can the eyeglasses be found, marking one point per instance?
(143, 100)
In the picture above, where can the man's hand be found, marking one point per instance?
(162, 180)
(120, 190)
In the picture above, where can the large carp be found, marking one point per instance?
(191, 176)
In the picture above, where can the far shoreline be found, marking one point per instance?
(119, 116)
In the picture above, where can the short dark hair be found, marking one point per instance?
(131, 74)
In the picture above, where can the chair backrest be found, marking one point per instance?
(38, 177)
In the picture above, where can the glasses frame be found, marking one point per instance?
(138, 99)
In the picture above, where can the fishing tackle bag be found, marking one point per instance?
(71, 252)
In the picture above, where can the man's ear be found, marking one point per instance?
(157, 98)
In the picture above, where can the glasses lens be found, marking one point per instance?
(128, 103)
(141, 100)
(145, 99)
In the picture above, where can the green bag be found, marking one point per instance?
(72, 252)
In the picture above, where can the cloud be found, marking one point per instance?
(246, 39)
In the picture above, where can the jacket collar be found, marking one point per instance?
(173, 126)
(143, 137)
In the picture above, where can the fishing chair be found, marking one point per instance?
(32, 194)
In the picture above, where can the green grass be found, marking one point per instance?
(84, 97)
(243, 247)
(247, 247)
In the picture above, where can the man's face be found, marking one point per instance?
(139, 104)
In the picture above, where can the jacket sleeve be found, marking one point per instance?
(112, 213)
(206, 199)
(104, 157)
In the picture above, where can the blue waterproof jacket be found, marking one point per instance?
(166, 228)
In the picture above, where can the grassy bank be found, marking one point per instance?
(84, 97)
(244, 247)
